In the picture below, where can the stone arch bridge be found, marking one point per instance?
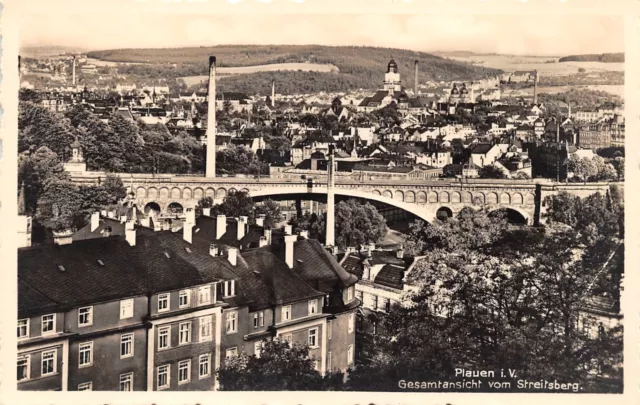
(419, 197)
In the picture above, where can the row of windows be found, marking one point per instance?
(205, 330)
(85, 314)
(184, 298)
(375, 302)
(48, 365)
(85, 350)
(184, 371)
(126, 383)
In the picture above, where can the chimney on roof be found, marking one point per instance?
(111, 214)
(213, 250)
(187, 232)
(95, 221)
(288, 229)
(263, 242)
(146, 222)
(129, 225)
(103, 213)
(260, 220)
(221, 225)
(206, 212)
(267, 234)
(191, 216)
(233, 256)
(304, 234)
(123, 219)
(400, 253)
(350, 249)
(289, 240)
(242, 227)
(130, 235)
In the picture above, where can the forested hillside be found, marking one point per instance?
(358, 66)
(605, 57)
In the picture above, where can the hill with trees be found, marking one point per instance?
(358, 67)
(604, 57)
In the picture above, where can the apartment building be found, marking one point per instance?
(156, 309)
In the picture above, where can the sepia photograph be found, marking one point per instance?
(320, 202)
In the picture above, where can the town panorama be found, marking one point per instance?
(319, 218)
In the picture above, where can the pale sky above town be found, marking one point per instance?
(108, 27)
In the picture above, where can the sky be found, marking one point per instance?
(137, 27)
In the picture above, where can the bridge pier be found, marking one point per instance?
(298, 208)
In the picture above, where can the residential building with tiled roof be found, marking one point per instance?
(147, 308)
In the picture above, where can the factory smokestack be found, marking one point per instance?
(73, 70)
(415, 84)
(273, 93)
(535, 87)
(211, 120)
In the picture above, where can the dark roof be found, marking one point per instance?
(317, 155)
(116, 228)
(481, 148)
(205, 231)
(390, 275)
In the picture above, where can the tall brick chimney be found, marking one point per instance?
(211, 120)
(415, 83)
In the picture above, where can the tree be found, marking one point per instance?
(234, 205)
(237, 160)
(313, 223)
(35, 171)
(491, 172)
(271, 211)
(583, 167)
(279, 367)
(498, 298)
(358, 224)
(59, 205)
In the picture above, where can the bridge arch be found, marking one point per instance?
(187, 193)
(152, 207)
(505, 198)
(198, 193)
(175, 208)
(410, 197)
(176, 193)
(415, 209)
(210, 192)
(141, 192)
(152, 192)
(444, 213)
(221, 193)
(432, 197)
(398, 195)
(164, 193)
(491, 198)
(443, 197)
(387, 194)
(517, 199)
(530, 199)
(514, 215)
(456, 197)
(422, 197)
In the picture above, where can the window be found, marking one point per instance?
(313, 307)
(232, 322)
(258, 319)
(288, 338)
(163, 376)
(85, 316)
(350, 355)
(126, 309)
(126, 382)
(48, 323)
(374, 299)
(387, 305)
(329, 329)
(359, 295)
(286, 313)
(87, 386)
(230, 288)
(350, 293)
(23, 328)
(163, 302)
(49, 362)
(126, 345)
(185, 333)
(23, 367)
(85, 354)
(329, 361)
(206, 323)
(375, 327)
(164, 341)
(257, 348)
(313, 337)
(352, 321)
(184, 371)
(184, 298)
(204, 367)
(359, 324)
(204, 295)
(233, 352)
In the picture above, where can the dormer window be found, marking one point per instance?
(230, 288)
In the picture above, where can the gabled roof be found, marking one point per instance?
(481, 149)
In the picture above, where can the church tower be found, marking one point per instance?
(392, 81)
